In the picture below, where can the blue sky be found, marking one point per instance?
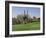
(31, 11)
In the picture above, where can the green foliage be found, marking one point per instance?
(21, 19)
(24, 19)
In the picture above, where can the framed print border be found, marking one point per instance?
(7, 18)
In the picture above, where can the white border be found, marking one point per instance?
(25, 32)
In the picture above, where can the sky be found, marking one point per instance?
(32, 11)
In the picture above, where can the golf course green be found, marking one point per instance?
(28, 26)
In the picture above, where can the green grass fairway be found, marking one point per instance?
(28, 26)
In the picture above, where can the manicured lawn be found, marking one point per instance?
(28, 26)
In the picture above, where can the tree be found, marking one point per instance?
(34, 17)
(14, 21)
(38, 19)
(22, 18)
